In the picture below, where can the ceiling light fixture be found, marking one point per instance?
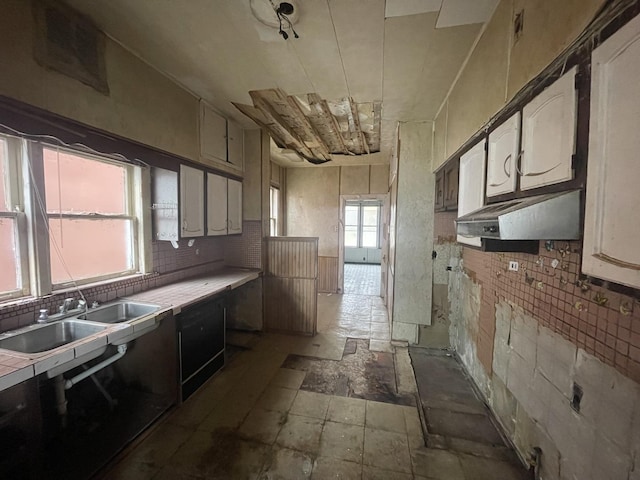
(283, 11)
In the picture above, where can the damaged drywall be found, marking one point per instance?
(464, 317)
(548, 393)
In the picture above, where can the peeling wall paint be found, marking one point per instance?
(531, 389)
(143, 105)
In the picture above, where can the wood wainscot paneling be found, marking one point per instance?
(328, 274)
(291, 285)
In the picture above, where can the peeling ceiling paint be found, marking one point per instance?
(219, 51)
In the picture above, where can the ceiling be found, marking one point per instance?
(403, 53)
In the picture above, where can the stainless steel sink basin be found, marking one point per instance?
(47, 337)
(119, 312)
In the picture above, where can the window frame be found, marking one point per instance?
(15, 188)
(27, 190)
(130, 215)
(273, 220)
(360, 222)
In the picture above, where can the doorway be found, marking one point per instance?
(362, 242)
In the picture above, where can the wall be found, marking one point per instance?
(313, 207)
(436, 335)
(412, 273)
(526, 337)
(497, 70)
(142, 105)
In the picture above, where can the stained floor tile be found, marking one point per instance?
(342, 441)
(287, 464)
(278, 411)
(332, 469)
(278, 399)
(288, 378)
(374, 473)
(310, 404)
(388, 450)
(301, 433)
(262, 425)
(384, 416)
(347, 410)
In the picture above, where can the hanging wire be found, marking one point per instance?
(78, 146)
(52, 239)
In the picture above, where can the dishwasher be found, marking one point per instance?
(201, 343)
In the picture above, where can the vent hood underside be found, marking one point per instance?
(554, 216)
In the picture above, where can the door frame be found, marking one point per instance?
(384, 199)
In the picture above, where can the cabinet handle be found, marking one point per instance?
(614, 261)
(532, 174)
(507, 172)
(504, 166)
(518, 162)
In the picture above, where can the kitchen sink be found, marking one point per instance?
(119, 312)
(41, 338)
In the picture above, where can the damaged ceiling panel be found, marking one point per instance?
(316, 128)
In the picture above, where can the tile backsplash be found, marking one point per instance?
(170, 265)
(548, 286)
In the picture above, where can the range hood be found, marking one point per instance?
(555, 216)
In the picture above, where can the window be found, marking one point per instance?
(362, 225)
(14, 280)
(83, 224)
(274, 204)
(90, 219)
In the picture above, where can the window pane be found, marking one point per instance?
(4, 177)
(370, 215)
(90, 248)
(350, 236)
(9, 279)
(75, 184)
(351, 215)
(369, 237)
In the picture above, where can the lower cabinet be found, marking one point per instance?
(201, 341)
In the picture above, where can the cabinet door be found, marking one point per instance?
(191, 202)
(548, 135)
(213, 134)
(216, 205)
(451, 185)
(165, 204)
(611, 220)
(234, 207)
(235, 145)
(471, 190)
(502, 156)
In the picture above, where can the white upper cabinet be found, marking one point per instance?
(213, 134)
(224, 205)
(613, 176)
(548, 135)
(471, 186)
(234, 207)
(502, 156)
(216, 205)
(236, 145)
(191, 202)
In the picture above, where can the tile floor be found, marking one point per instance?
(361, 279)
(253, 420)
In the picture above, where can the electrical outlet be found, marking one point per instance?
(513, 266)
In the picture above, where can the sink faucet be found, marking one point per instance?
(66, 305)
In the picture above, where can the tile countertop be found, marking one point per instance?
(18, 367)
(187, 292)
